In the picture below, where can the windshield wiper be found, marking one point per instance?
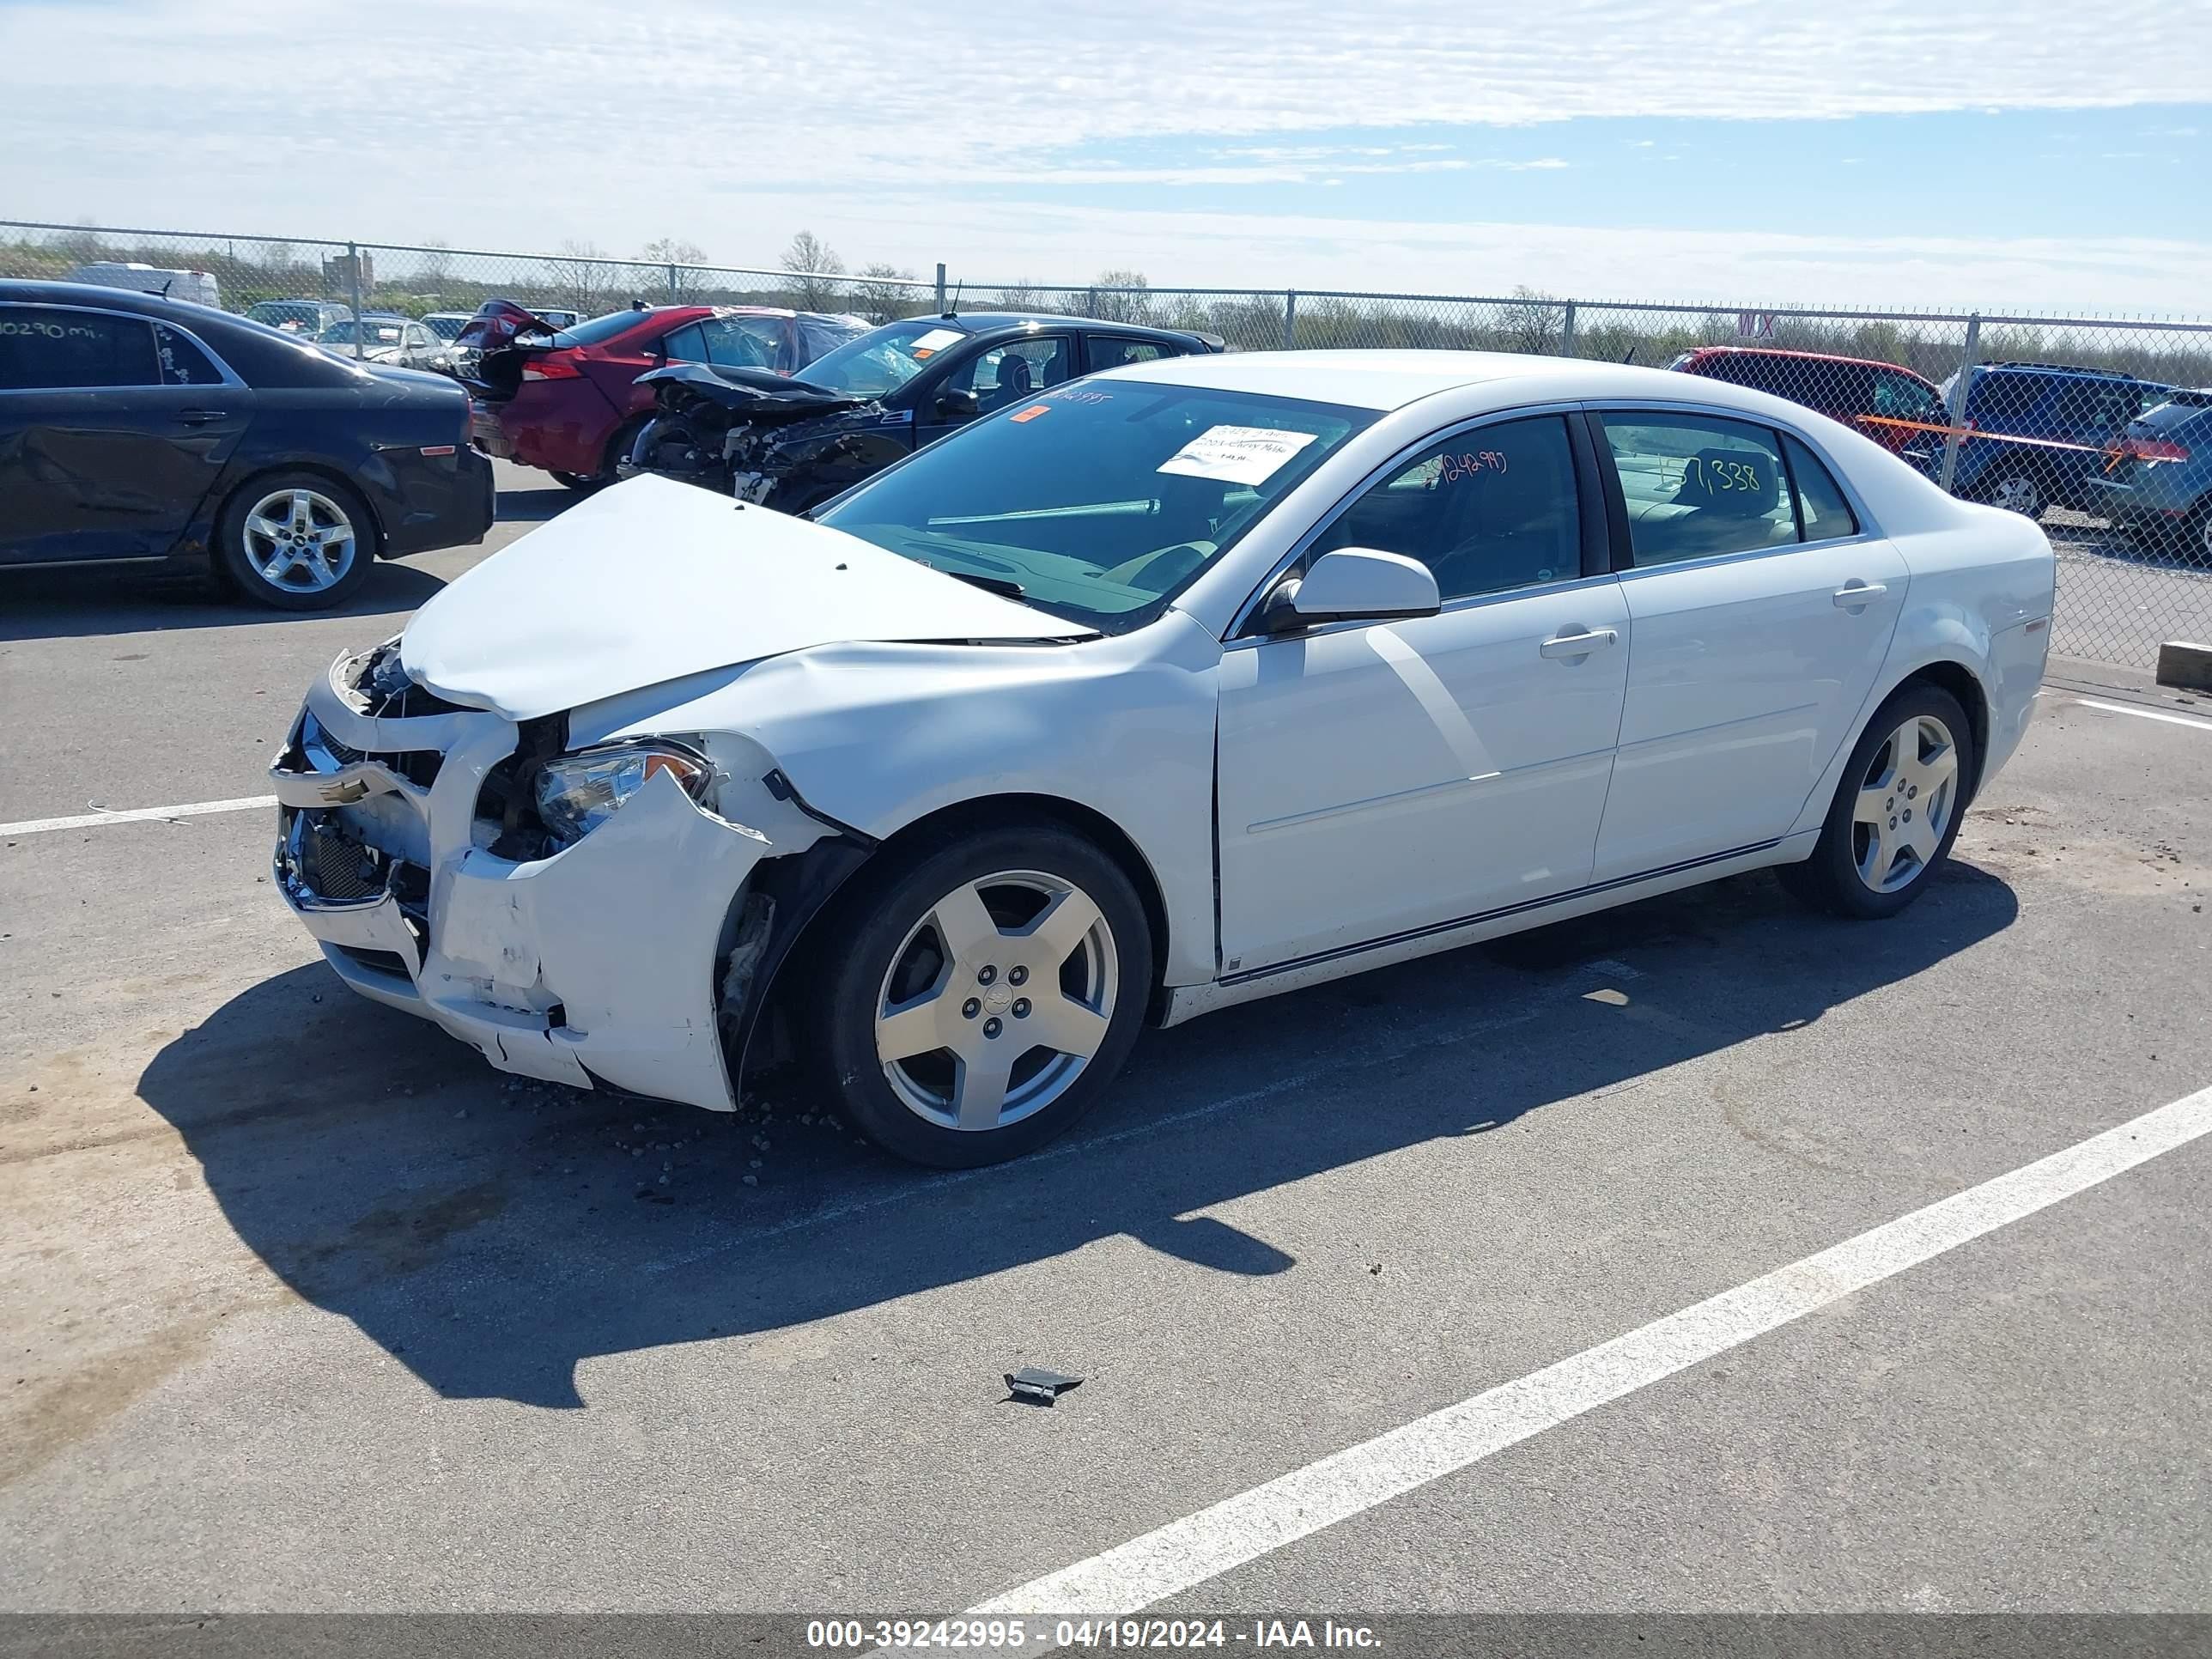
(1011, 590)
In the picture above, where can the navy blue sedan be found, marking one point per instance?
(139, 430)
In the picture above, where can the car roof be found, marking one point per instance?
(1806, 356)
(2067, 370)
(988, 322)
(1388, 380)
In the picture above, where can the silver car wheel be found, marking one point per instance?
(1905, 805)
(996, 1001)
(299, 540)
(2018, 495)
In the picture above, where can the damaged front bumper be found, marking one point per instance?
(597, 963)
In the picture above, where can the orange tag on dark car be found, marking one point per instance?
(1033, 411)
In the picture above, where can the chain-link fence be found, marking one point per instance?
(2102, 428)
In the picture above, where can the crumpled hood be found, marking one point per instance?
(652, 580)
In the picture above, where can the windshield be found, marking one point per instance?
(883, 359)
(290, 315)
(373, 331)
(1100, 501)
(446, 328)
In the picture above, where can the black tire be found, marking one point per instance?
(241, 554)
(867, 935)
(582, 484)
(1832, 879)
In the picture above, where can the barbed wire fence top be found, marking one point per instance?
(2075, 420)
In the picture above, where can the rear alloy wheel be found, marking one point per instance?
(1897, 811)
(296, 541)
(2021, 492)
(994, 988)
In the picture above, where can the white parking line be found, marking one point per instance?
(1184, 1553)
(2145, 713)
(139, 815)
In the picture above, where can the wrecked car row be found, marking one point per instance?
(792, 443)
(1192, 681)
(782, 408)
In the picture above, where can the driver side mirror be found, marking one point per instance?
(1352, 584)
(955, 406)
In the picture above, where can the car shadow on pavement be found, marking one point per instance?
(93, 602)
(534, 506)
(492, 1234)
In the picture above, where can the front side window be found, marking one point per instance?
(1488, 510)
(1101, 500)
(1005, 374)
(1897, 397)
(48, 347)
(1696, 486)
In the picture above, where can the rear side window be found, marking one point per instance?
(1822, 508)
(1696, 486)
(50, 349)
(1487, 511)
(1107, 352)
(182, 362)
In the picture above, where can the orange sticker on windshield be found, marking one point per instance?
(1032, 412)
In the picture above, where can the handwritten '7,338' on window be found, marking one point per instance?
(1719, 475)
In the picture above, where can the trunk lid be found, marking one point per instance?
(492, 346)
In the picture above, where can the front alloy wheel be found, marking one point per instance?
(1005, 980)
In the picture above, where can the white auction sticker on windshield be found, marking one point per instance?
(1236, 454)
(932, 341)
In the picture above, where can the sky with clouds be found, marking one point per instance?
(1992, 153)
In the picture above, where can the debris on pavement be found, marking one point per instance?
(1038, 1388)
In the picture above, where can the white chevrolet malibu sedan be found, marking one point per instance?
(1179, 686)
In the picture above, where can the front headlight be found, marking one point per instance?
(576, 793)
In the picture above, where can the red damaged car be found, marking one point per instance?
(566, 399)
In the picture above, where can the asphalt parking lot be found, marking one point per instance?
(303, 1308)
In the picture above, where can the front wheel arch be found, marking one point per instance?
(825, 870)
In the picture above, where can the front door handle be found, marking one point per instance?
(200, 417)
(1856, 595)
(1578, 645)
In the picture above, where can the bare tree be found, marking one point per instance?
(682, 260)
(1020, 295)
(581, 276)
(880, 292)
(1134, 305)
(1534, 326)
(814, 267)
(434, 268)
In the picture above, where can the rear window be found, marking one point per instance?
(2173, 417)
(600, 330)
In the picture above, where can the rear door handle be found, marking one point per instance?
(1855, 595)
(201, 416)
(1578, 645)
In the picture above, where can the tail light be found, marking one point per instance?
(2154, 449)
(551, 368)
